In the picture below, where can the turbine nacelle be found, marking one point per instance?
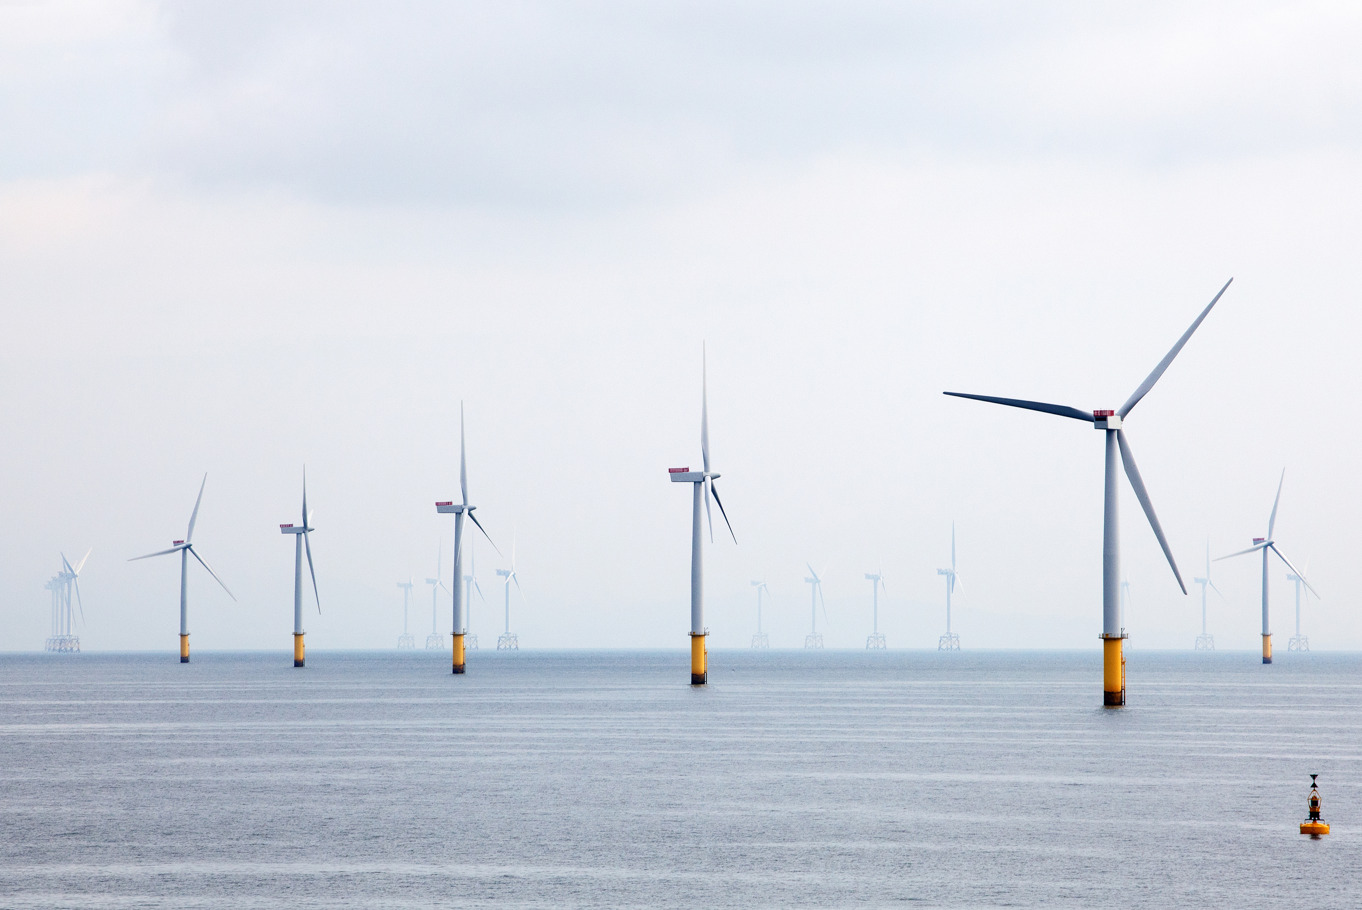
(446, 508)
(295, 529)
(1106, 420)
(686, 475)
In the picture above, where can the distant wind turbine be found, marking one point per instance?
(760, 640)
(703, 488)
(1110, 423)
(1205, 641)
(405, 641)
(875, 640)
(186, 549)
(435, 641)
(301, 541)
(815, 638)
(507, 641)
(470, 582)
(950, 641)
(1299, 642)
(459, 511)
(1264, 544)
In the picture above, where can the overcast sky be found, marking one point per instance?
(240, 237)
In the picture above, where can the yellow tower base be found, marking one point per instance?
(297, 650)
(1113, 672)
(1267, 649)
(184, 649)
(699, 672)
(458, 653)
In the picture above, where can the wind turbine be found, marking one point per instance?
(760, 640)
(875, 641)
(435, 641)
(507, 641)
(1264, 544)
(301, 541)
(470, 582)
(460, 510)
(1298, 642)
(950, 641)
(1110, 423)
(64, 619)
(815, 638)
(405, 641)
(1206, 641)
(703, 487)
(186, 549)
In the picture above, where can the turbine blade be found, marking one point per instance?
(704, 415)
(67, 565)
(715, 490)
(709, 516)
(1153, 377)
(477, 587)
(463, 464)
(210, 571)
(1272, 519)
(304, 495)
(80, 565)
(1253, 549)
(307, 545)
(952, 546)
(1063, 410)
(1215, 589)
(194, 516)
(1296, 571)
(484, 532)
(1132, 472)
(157, 553)
(955, 580)
(516, 578)
(76, 582)
(809, 566)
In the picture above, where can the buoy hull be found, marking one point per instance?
(1315, 828)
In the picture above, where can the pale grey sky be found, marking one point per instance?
(237, 237)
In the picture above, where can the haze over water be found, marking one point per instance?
(601, 779)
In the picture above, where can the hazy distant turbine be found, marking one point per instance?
(875, 640)
(704, 487)
(760, 640)
(1264, 544)
(1205, 641)
(1298, 642)
(950, 641)
(507, 641)
(435, 641)
(815, 638)
(405, 640)
(186, 549)
(470, 583)
(1110, 422)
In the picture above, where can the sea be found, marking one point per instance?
(603, 779)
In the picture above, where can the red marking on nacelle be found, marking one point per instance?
(289, 525)
(1103, 413)
(444, 503)
(176, 542)
(1259, 539)
(678, 470)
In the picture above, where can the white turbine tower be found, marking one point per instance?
(1264, 544)
(186, 549)
(760, 640)
(64, 637)
(470, 584)
(704, 487)
(1125, 600)
(406, 641)
(1205, 641)
(1298, 641)
(1110, 423)
(815, 638)
(301, 542)
(875, 640)
(950, 641)
(435, 641)
(459, 511)
(507, 641)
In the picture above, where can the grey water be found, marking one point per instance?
(831, 779)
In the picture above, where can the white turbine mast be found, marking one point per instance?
(508, 641)
(435, 641)
(950, 641)
(470, 584)
(761, 640)
(301, 541)
(186, 549)
(406, 641)
(815, 582)
(875, 640)
(1206, 641)
(1111, 422)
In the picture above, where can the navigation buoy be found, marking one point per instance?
(1314, 825)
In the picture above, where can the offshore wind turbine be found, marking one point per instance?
(760, 640)
(815, 638)
(875, 640)
(507, 641)
(459, 511)
(1110, 423)
(1205, 641)
(300, 542)
(950, 641)
(1299, 643)
(64, 637)
(405, 641)
(186, 549)
(1264, 544)
(435, 641)
(470, 584)
(703, 487)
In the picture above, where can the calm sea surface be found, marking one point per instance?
(836, 779)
